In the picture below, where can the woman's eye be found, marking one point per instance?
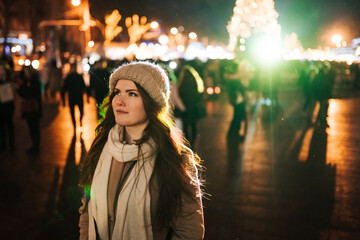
(116, 93)
(132, 94)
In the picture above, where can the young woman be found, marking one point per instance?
(141, 180)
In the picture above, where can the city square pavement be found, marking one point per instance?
(286, 180)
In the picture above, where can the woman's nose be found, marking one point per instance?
(120, 100)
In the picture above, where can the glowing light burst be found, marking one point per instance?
(268, 48)
(252, 16)
(336, 38)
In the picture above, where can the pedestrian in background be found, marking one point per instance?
(7, 108)
(175, 101)
(310, 102)
(143, 180)
(74, 85)
(322, 89)
(54, 78)
(237, 98)
(31, 104)
(191, 88)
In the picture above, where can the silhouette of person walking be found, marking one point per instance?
(31, 105)
(75, 87)
(322, 88)
(191, 88)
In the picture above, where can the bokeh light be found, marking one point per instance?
(35, 64)
(217, 90)
(75, 2)
(91, 44)
(173, 65)
(180, 48)
(192, 35)
(174, 30)
(154, 25)
(163, 39)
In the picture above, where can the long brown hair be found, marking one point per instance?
(174, 165)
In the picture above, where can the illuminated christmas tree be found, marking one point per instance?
(251, 17)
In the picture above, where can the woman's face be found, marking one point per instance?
(128, 105)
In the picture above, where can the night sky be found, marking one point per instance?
(314, 21)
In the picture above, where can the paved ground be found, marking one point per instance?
(287, 180)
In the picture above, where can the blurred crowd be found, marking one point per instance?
(243, 85)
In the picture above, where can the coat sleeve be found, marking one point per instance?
(190, 224)
(84, 221)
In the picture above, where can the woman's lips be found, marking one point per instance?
(121, 111)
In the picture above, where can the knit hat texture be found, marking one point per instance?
(149, 76)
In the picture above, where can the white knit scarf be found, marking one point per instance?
(133, 219)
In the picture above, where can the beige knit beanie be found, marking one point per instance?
(149, 76)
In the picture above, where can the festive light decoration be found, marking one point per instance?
(112, 29)
(135, 28)
(252, 16)
(119, 51)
